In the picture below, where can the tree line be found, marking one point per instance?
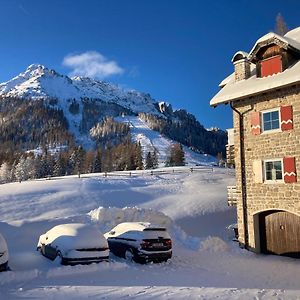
(124, 156)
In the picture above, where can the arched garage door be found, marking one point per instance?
(280, 233)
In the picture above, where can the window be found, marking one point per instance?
(273, 170)
(271, 120)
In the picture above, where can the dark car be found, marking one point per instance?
(140, 242)
(74, 244)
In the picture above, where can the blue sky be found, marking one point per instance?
(177, 51)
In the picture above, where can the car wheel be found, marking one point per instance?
(129, 255)
(59, 258)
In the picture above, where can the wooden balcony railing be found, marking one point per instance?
(231, 195)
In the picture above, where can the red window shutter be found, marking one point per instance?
(270, 66)
(289, 169)
(286, 113)
(255, 123)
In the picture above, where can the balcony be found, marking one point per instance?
(232, 195)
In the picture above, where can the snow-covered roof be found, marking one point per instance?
(234, 90)
(240, 54)
(271, 36)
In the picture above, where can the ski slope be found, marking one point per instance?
(154, 141)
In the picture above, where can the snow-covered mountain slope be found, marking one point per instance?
(40, 82)
(154, 141)
(85, 102)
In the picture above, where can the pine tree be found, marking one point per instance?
(59, 168)
(21, 173)
(77, 160)
(154, 159)
(176, 156)
(5, 173)
(281, 27)
(30, 167)
(138, 164)
(149, 161)
(98, 161)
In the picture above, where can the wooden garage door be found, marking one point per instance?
(282, 233)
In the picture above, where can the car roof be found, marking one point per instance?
(75, 235)
(134, 226)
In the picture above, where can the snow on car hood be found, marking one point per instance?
(74, 236)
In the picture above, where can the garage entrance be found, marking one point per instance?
(280, 233)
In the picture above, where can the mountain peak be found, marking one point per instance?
(39, 70)
(34, 67)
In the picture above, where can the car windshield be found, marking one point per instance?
(154, 229)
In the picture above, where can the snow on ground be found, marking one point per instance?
(206, 263)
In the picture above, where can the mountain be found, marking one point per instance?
(39, 82)
(42, 107)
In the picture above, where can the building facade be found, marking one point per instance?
(264, 94)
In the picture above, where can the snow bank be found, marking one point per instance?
(111, 216)
(21, 276)
(214, 244)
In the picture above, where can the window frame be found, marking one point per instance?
(265, 180)
(263, 130)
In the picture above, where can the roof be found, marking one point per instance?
(234, 90)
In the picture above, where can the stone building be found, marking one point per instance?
(264, 94)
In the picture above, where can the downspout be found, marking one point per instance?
(243, 171)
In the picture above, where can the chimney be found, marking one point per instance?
(241, 66)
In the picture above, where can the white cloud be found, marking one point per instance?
(91, 64)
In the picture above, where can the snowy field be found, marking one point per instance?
(206, 264)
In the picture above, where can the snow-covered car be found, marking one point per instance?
(140, 242)
(74, 244)
(3, 254)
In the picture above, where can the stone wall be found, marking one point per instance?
(242, 69)
(266, 196)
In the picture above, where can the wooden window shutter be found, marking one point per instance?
(286, 113)
(255, 123)
(257, 171)
(270, 66)
(289, 169)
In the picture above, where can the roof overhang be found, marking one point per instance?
(234, 91)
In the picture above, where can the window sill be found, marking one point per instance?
(273, 181)
(271, 131)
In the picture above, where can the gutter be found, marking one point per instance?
(243, 171)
